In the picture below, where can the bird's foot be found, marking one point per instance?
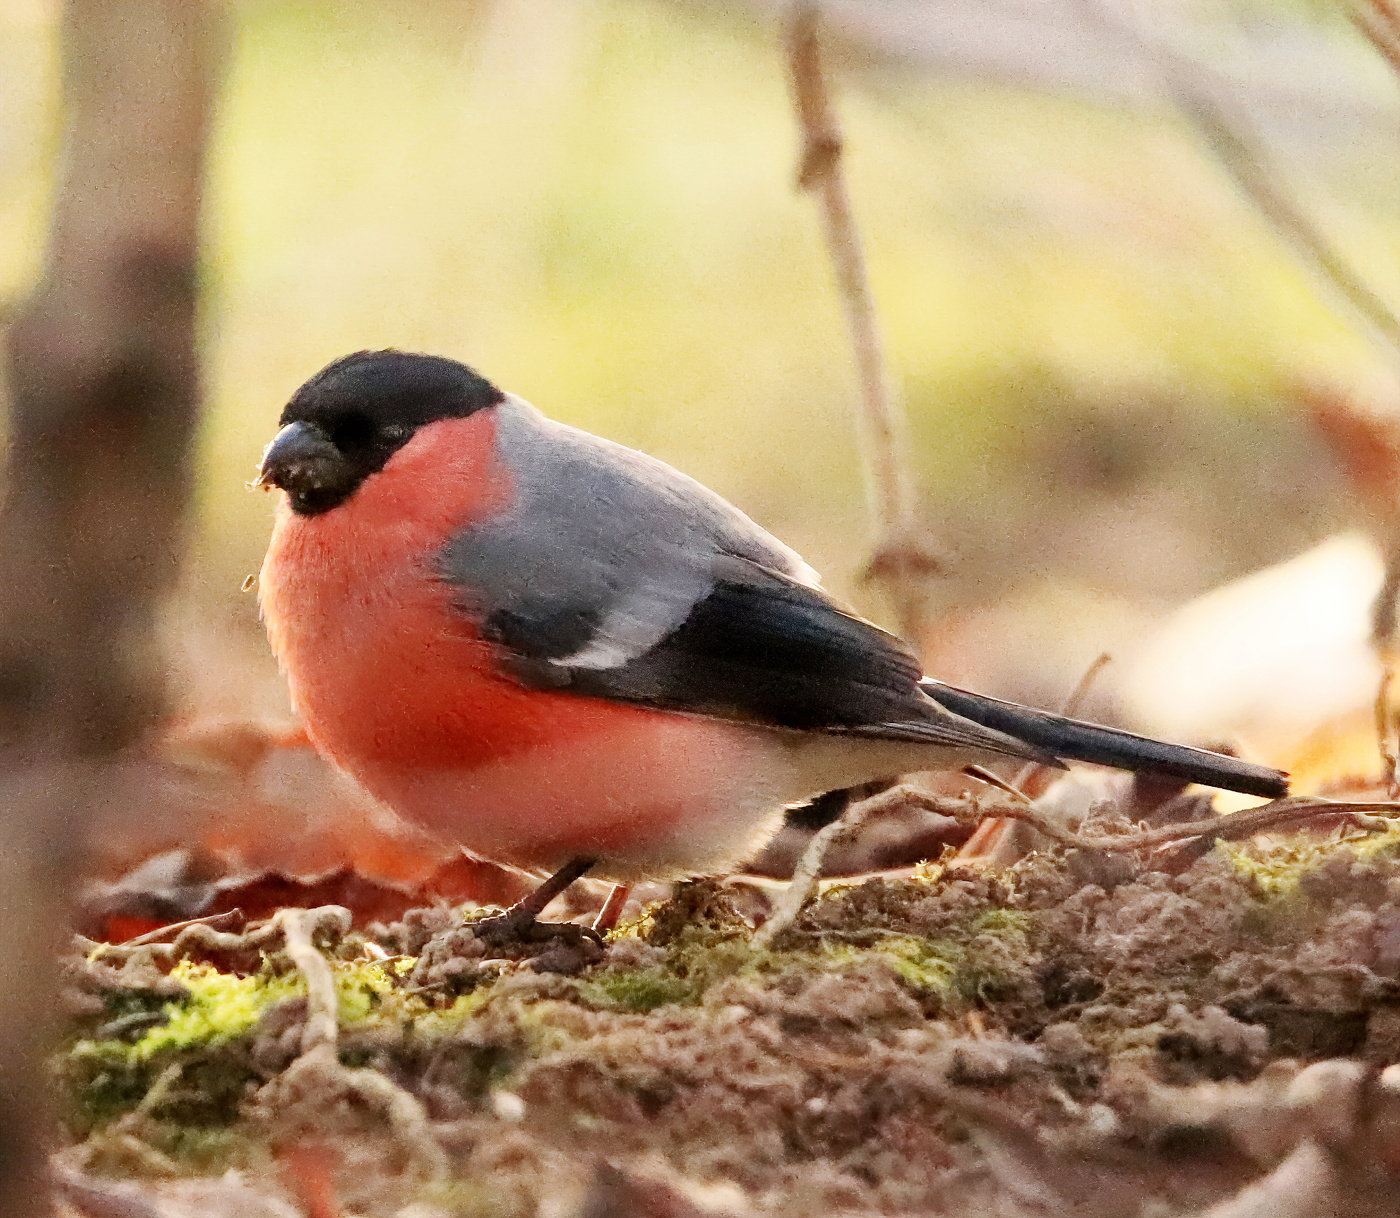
(551, 947)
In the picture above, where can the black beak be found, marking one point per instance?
(294, 455)
(304, 463)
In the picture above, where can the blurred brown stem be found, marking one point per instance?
(1070, 707)
(1206, 102)
(1366, 444)
(903, 559)
(1383, 643)
(103, 381)
(1230, 134)
(1380, 22)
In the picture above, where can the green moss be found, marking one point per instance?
(640, 989)
(220, 1007)
(1275, 867)
(203, 1035)
(207, 1149)
(697, 940)
(923, 964)
(970, 964)
(697, 956)
(701, 953)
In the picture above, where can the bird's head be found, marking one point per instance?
(345, 423)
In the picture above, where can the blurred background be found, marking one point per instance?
(1111, 358)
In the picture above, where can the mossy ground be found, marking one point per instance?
(817, 1073)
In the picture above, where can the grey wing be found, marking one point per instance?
(614, 576)
(604, 551)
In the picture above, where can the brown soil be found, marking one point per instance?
(1078, 1033)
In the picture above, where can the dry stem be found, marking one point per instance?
(1235, 825)
(903, 560)
(1230, 134)
(322, 1025)
(807, 874)
(231, 921)
(806, 882)
(318, 1069)
(1204, 100)
(1379, 21)
(1070, 707)
(1384, 715)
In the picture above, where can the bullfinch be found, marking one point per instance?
(566, 656)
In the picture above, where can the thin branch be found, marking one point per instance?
(1378, 23)
(322, 1006)
(791, 899)
(903, 559)
(318, 1068)
(991, 835)
(1366, 444)
(231, 921)
(1383, 645)
(1221, 828)
(805, 877)
(1204, 100)
(1070, 707)
(997, 782)
(1379, 20)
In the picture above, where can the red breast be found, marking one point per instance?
(384, 664)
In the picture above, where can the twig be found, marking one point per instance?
(231, 921)
(1235, 825)
(1378, 21)
(322, 1025)
(196, 936)
(990, 835)
(1366, 443)
(1383, 642)
(318, 1068)
(903, 559)
(806, 875)
(1037, 820)
(1203, 99)
(996, 781)
(1385, 720)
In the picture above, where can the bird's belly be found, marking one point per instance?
(398, 689)
(654, 798)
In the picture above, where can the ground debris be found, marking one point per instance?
(973, 1040)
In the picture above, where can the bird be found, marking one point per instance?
(565, 656)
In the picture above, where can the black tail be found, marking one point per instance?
(1107, 745)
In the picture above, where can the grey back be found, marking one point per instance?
(603, 550)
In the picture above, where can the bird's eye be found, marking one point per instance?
(352, 430)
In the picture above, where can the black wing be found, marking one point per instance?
(1082, 741)
(756, 647)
